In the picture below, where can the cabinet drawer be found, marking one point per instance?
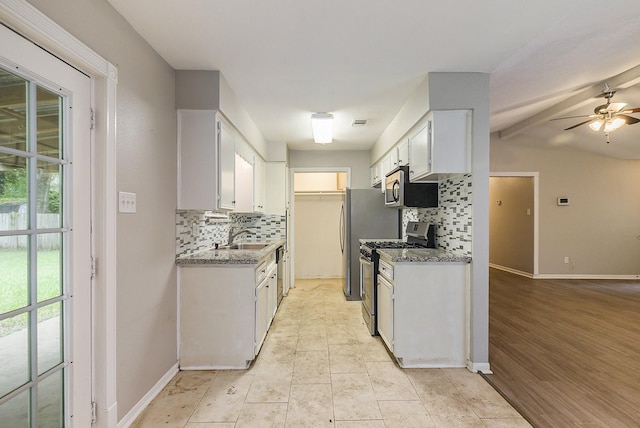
(386, 270)
(261, 272)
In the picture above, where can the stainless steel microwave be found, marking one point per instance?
(394, 189)
(400, 192)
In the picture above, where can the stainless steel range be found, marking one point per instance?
(419, 235)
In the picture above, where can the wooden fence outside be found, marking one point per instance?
(18, 221)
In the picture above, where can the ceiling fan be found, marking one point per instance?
(611, 116)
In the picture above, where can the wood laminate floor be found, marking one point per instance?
(566, 353)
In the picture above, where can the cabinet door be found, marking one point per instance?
(227, 162)
(244, 171)
(394, 159)
(376, 178)
(403, 153)
(273, 293)
(262, 313)
(259, 176)
(197, 160)
(385, 311)
(420, 151)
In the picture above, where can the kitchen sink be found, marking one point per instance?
(244, 246)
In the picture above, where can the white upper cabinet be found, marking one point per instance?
(226, 164)
(259, 177)
(243, 184)
(276, 176)
(440, 148)
(403, 153)
(206, 161)
(376, 174)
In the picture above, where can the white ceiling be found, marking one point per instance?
(360, 59)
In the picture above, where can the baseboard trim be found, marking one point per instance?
(130, 417)
(563, 275)
(510, 270)
(584, 276)
(483, 368)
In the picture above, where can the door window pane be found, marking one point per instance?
(13, 114)
(14, 353)
(15, 412)
(48, 107)
(50, 401)
(14, 192)
(49, 337)
(14, 273)
(48, 199)
(49, 261)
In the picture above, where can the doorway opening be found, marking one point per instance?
(513, 222)
(317, 195)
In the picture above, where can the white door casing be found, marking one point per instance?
(26, 19)
(30, 61)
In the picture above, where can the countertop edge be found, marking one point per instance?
(218, 257)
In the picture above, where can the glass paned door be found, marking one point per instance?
(34, 291)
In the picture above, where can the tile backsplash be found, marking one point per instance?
(452, 217)
(199, 230)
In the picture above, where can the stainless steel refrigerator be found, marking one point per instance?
(363, 215)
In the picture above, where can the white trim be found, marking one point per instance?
(484, 368)
(536, 211)
(510, 270)
(584, 276)
(130, 417)
(25, 19)
(563, 275)
(30, 22)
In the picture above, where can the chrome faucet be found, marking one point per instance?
(233, 235)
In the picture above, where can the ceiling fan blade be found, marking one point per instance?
(630, 110)
(578, 124)
(616, 107)
(629, 119)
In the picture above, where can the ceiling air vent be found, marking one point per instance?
(359, 122)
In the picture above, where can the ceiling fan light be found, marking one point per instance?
(322, 127)
(613, 124)
(596, 125)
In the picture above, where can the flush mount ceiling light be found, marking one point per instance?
(322, 127)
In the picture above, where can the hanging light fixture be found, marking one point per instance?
(613, 124)
(322, 127)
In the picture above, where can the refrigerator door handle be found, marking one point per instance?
(341, 227)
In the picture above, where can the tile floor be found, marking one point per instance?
(319, 367)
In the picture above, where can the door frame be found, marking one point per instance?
(536, 217)
(28, 21)
(291, 191)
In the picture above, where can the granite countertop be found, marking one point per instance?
(214, 256)
(421, 255)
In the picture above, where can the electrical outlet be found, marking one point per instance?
(127, 202)
(566, 259)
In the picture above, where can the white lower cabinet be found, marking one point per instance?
(422, 313)
(262, 314)
(385, 311)
(266, 301)
(225, 313)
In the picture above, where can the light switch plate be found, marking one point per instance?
(127, 202)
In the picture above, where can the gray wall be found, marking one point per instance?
(146, 165)
(357, 160)
(511, 222)
(599, 230)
